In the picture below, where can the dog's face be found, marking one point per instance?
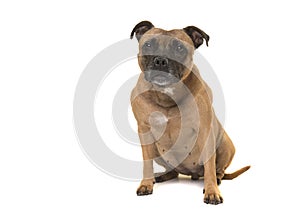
(166, 57)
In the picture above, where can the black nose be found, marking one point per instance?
(160, 62)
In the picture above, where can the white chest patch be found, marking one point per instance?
(158, 122)
(169, 91)
(157, 118)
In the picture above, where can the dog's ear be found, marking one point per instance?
(140, 29)
(196, 35)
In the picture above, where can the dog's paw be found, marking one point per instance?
(145, 188)
(212, 197)
(195, 177)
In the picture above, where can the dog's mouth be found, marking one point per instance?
(160, 78)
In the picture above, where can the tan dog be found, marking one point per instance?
(172, 104)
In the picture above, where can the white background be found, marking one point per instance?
(44, 47)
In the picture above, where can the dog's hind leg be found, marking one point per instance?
(164, 176)
(225, 152)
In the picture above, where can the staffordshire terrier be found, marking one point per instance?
(172, 104)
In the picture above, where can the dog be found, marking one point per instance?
(172, 104)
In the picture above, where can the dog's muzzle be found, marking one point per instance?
(160, 78)
(160, 73)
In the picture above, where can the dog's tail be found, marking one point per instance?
(235, 174)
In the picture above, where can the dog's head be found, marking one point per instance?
(166, 57)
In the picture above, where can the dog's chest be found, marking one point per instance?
(165, 126)
(174, 133)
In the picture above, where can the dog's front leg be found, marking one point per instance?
(148, 149)
(211, 191)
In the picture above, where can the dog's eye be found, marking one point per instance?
(179, 48)
(148, 45)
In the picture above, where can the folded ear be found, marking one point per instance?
(196, 35)
(140, 29)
